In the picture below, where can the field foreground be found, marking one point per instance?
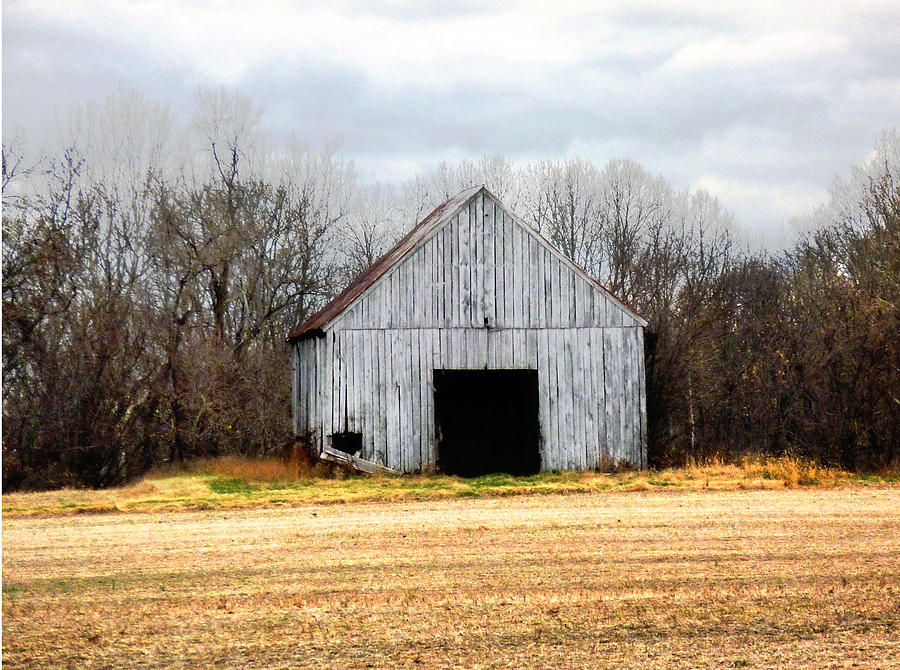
(800, 578)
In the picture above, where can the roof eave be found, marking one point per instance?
(420, 233)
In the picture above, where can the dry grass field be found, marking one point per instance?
(240, 483)
(740, 578)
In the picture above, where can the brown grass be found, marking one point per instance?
(801, 577)
(272, 470)
(240, 483)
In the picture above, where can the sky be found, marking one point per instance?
(761, 103)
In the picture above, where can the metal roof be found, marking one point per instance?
(369, 276)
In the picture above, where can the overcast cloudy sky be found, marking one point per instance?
(762, 103)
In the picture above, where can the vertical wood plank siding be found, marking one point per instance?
(483, 292)
(410, 296)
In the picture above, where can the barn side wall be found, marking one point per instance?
(308, 388)
(378, 382)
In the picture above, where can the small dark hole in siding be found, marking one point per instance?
(348, 442)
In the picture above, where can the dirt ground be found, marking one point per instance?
(790, 578)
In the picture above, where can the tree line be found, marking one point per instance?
(151, 272)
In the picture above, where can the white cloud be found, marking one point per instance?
(767, 50)
(777, 202)
(764, 100)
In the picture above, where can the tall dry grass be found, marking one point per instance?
(791, 470)
(297, 466)
(251, 469)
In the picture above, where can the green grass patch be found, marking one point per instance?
(12, 591)
(286, 485)
(232, 485)
(494, 480)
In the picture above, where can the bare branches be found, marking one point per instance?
(145, 298)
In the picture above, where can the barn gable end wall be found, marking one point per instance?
(480, 291)
(485, 263)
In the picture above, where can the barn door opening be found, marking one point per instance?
(487, 421)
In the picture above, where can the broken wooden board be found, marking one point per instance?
(336, 456)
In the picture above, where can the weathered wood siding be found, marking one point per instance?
(484, 268)
(483, 292)
(381, 386)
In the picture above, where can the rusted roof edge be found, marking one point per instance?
(419, 234)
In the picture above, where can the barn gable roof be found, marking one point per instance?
(424, 230)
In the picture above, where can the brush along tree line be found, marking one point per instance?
(146, 294)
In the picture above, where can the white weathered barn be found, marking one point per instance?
(472, 346)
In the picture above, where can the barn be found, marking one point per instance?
(472, 346)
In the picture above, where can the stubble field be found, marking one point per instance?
(766, 578)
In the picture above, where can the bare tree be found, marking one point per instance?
(147, 291)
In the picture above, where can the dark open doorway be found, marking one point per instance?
(487, 421)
